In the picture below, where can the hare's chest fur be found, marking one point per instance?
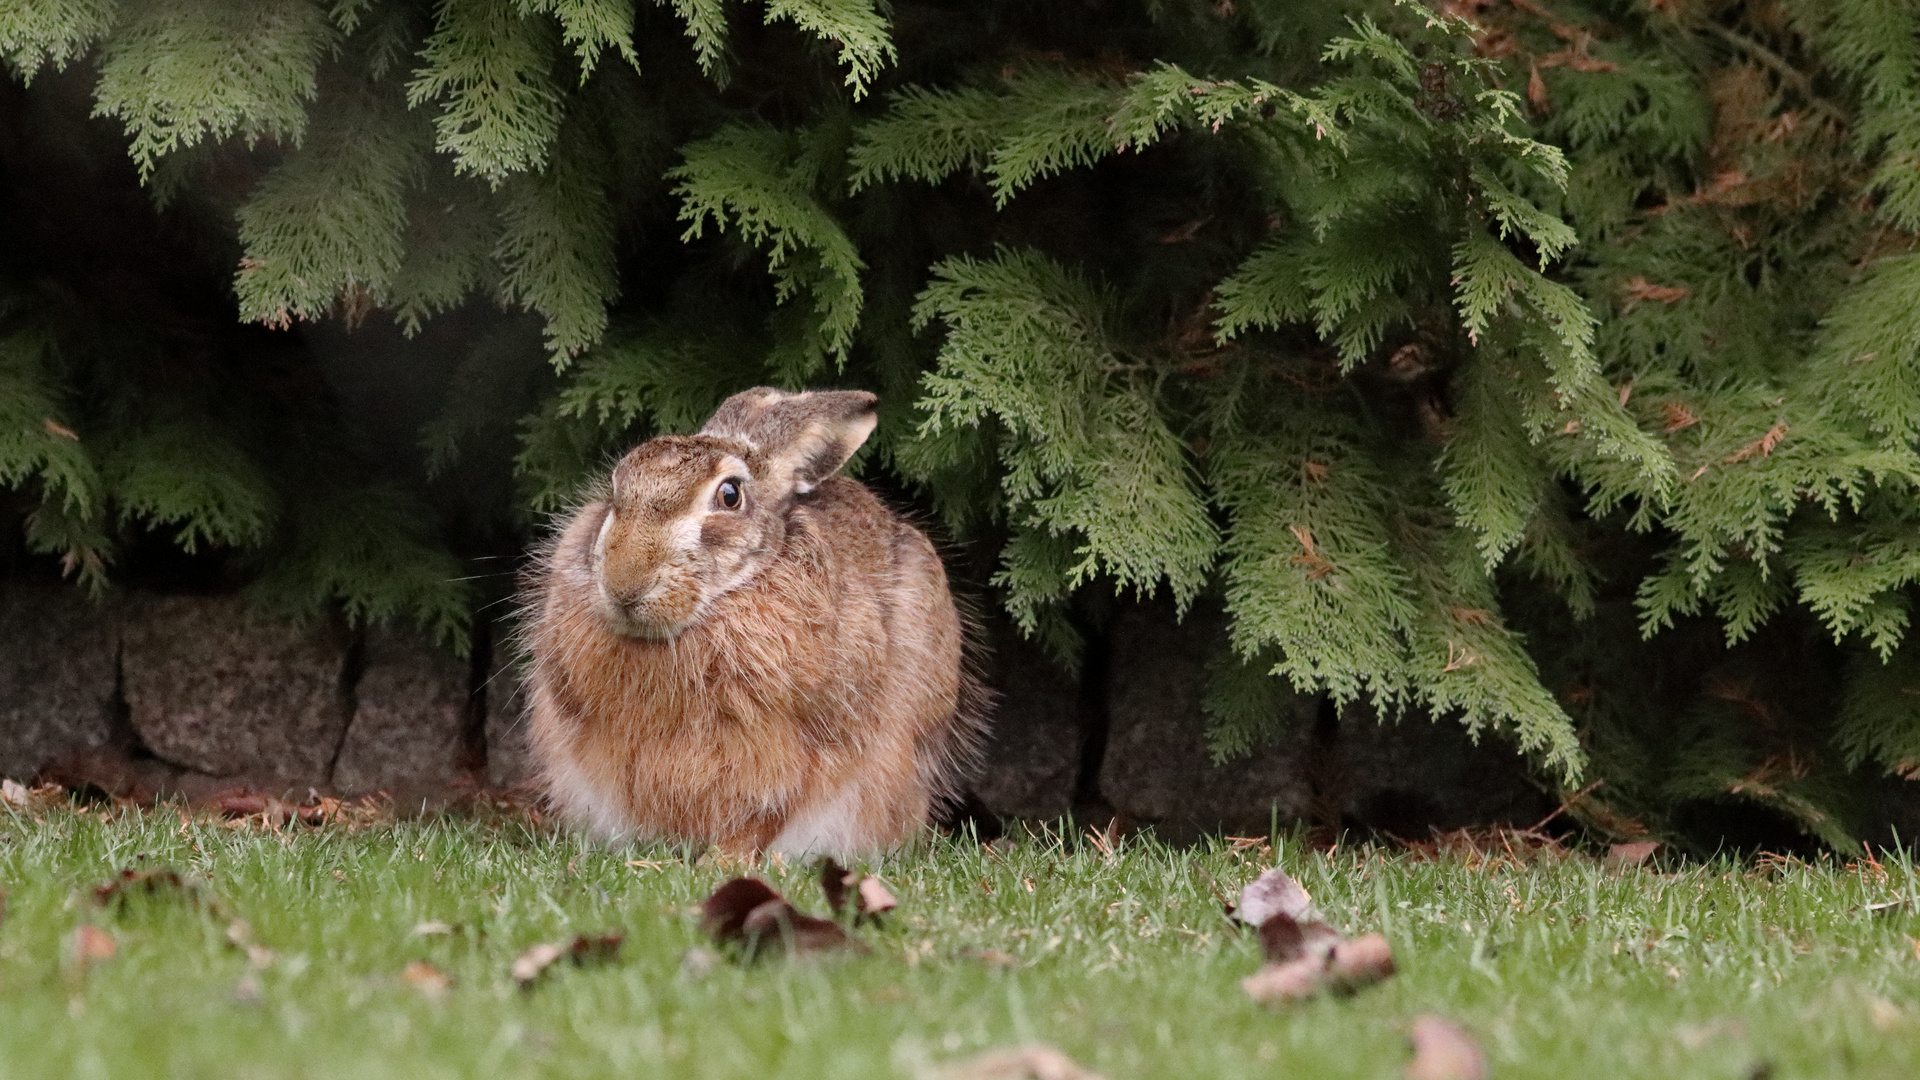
(745, 730)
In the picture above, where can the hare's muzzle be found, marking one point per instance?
(647, 587)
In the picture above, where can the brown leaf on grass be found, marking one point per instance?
(724, 912)
(1304, 955)
(800, 932)
(92, 945)
(1315, 961)
(747, 910)
(1284, 939)
(1278, 984)
(875, 897)
(1037, 1062)
(530, 965)
(1275, 893)
(836, 881)
(426, 978)
(1359, 962)
(1441, 1051)
(993, 958)
(1632, 854)
(132, 882)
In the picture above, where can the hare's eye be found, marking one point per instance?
(729, 494)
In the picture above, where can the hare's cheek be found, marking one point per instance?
(726, 536)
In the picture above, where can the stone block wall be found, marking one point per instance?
(150, 695)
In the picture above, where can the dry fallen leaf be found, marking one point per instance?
(1441, 1051)
(1631, 854)
(530, 965)
(747, 910)
(1359, 962)
(799, 931)
(133, 882)
(1304, 955)
(836, 881)
(1275, 893)
(426, 978)
(869, 894)
(13, 794)
(1277, 984)
(1022, 1063)
(993, 958)
(1283, 940)
(92, 944)
(875, 898)
(723, 913)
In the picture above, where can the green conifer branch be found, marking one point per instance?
(181, 472)
(763, 182)
(36, 34)
(1087, 453)
(368, 551)
(328, 220)
(591, 27)
(175, 72)
(490, 67)
(555, 247)
(859, 27)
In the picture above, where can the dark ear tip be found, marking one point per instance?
(860, 400)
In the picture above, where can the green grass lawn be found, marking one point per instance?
(1560, 968)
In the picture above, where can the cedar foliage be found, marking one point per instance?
(1553, 365)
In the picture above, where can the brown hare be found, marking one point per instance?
(734, 646)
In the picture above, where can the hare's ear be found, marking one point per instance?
(802, 438)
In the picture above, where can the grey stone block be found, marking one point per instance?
(509, 764)
(1157, 768)
(223, 691)
(1031, 759)
(1414, 775)
(57, 655)
(408, 735)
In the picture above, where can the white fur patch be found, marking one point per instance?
(829, 827)
(686, 534)
(585, 800)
